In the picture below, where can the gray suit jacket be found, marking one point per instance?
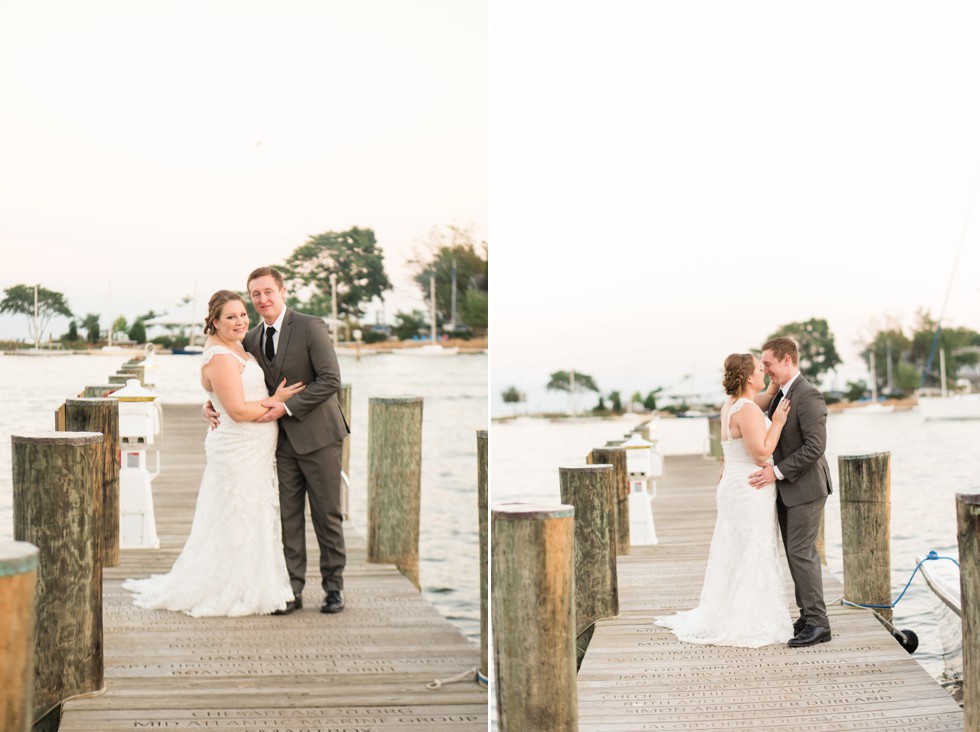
(799, 454)
(305, 353)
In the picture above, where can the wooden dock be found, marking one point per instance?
(638, 676)
(365, 668)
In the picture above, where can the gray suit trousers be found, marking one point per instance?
(316, 476)
(799, 526)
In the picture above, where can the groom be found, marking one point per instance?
(803, 482)
(312, 429)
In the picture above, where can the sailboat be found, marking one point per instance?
(874, 407)
(431, 349)
(949, 406)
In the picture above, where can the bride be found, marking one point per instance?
(232, 563)
(742, 599)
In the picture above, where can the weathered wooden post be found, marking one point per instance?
(968, 537)
(394, 482)
(590, 491)
(533, 609)
(482, 506)
(18, 579)
(616, 456)
(865, 510)
(344, 398)
(57, 486)
(119, 380)
(714, 437)
(132, 371)
(102, 415)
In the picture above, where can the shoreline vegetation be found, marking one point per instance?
(900, 405)
(473, 345)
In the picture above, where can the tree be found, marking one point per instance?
(72, 335)
(651, 400)
(137, 332)
(353, 256)
(818, 352)
(91, 325)
(445, 247)
(511, 395)
(408, 325)
(615, 402)
(572, 382)
(19, 300)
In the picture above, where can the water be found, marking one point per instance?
(931, 462)
(455, 407)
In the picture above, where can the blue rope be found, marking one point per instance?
(927, 557)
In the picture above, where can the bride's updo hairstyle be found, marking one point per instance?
(738, 369)
(215, 305)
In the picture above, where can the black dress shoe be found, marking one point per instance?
(809, 636)
(798, 626)
(295, 604)
(333, 602)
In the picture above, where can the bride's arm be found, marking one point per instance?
(224, 373)
(759, 441)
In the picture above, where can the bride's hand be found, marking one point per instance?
(782, 412)
(285, 392)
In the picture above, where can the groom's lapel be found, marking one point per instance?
(281, 347)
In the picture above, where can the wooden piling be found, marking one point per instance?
(133, 371)
(865, 510)
(57, 488)
(714, 437)
(590, 490)
(616, 456)
(18, 579)
(482, 507)
(119, 380)
(533, 610)
(968, 537)
(102, 415)
(394, 482)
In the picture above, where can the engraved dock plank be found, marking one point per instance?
(363, 669)
(638, 676)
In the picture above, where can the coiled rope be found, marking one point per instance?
(930, 556)
(468, 674)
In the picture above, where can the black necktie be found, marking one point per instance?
(775, 402)
(270, 349)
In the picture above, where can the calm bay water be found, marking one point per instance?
(454, 389)
(930, 463)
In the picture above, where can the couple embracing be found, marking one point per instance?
(266, 455)
(774, 473)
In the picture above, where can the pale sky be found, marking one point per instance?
(151, 149)
(672, 181)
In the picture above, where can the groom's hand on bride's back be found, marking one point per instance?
(210, 414)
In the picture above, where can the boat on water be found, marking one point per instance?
(954, 406)
(874, 406)
(943, 578)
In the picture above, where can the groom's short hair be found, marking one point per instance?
(265, 272)
(782, 347)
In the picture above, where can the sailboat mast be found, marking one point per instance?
(37, 334)
(432, 297)
(874, 380)
(452, 318)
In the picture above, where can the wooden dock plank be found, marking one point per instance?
(363, 669)
(638, 676)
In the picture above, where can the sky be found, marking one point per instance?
(670, 182)
(151, 151)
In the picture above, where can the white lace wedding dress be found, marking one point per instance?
(743, 602)
(232, 563)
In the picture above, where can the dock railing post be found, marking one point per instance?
(394, 482)
(102, 415)
(865, 510)
(968, 537)
(18, 581)
(533, 610)
(714, 437)
(616, 456)
(57, 491)
(482, 506)
(590, 490)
